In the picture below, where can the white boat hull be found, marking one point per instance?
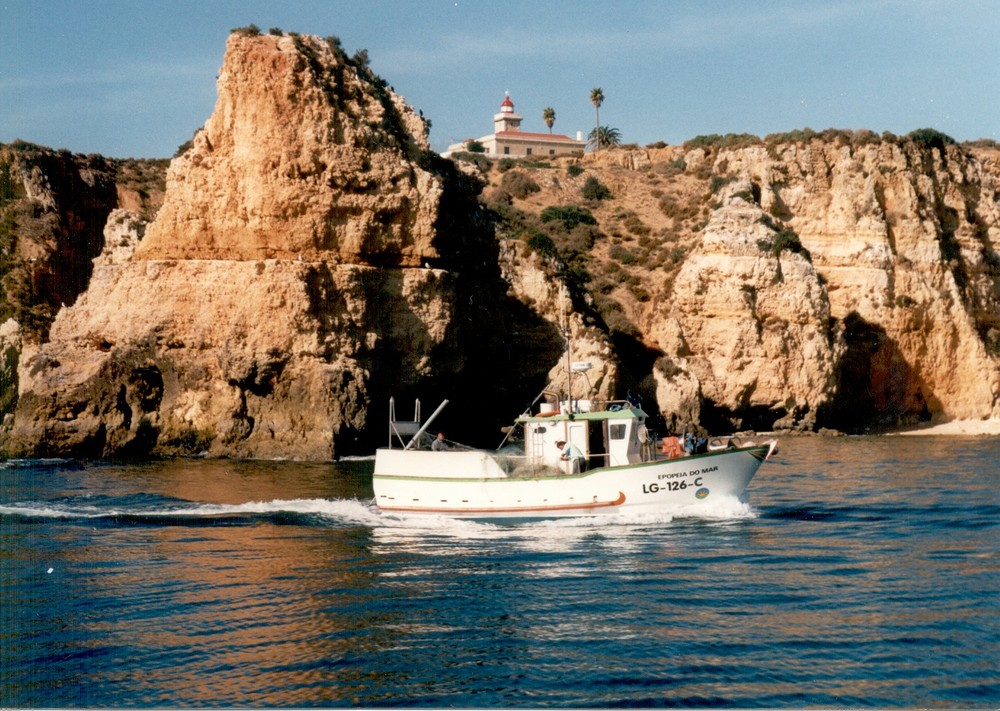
(472, 484)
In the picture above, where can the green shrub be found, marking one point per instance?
(670, 168)
(714, 140)
(622, 255)
(276, 31)
(577, 241)
(786, 239)
(719, 181)
(799, 135)
(184, 147)
(505, 164)
(635, 225)
(669, 207)
(248, 31)
(475, 146)
(569, 215)
(540, 242)
(573, 169)
(930, 138)
(479, 160)
(518, 185)
(594, 189)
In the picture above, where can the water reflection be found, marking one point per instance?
(861, 572)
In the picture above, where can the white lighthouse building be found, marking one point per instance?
(508, 140)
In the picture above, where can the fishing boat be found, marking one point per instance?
(620, 470)
(563, 457)
(570, 459)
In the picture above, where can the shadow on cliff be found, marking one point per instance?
(496, 351)
(64, 224)
(877, 389)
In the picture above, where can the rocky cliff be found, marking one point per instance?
(53, 209)
(800, 281)
(312, 257)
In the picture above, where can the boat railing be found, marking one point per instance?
(398, 429)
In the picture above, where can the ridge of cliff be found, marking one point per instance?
(330, 163)
(53, 209)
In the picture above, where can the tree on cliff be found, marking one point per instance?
(604, 137)
(549, 117)
(597, 98)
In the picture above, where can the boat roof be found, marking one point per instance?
(625, 413)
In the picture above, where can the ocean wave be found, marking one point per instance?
(147, 509)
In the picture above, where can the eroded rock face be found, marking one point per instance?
(312, 257)
(272, 361)
(285, 285)
(53, 206)
(748, 329)
(844, 280)
(305, 156)
(904, 239)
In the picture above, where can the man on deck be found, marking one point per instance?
(572, 454)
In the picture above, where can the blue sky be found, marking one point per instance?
(137, 77)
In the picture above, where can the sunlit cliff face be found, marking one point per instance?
(312, 258)
(305, 155)
(846, 281)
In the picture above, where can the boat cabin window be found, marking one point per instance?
(617, 431)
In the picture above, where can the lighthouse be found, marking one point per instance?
(508, 140)
(506, 120)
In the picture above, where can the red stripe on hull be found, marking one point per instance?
(514, 509)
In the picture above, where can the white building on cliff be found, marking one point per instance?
(508, 140)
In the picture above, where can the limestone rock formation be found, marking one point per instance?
(746, 330)
(904, 237)
(531, 283)
(53, 206)
(804, 281)
(290, 283)
(312, 257)
(322, 162)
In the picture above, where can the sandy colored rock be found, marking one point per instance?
(747, 329)
(886, 312)
(304, 157)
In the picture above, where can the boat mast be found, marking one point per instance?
(566, 334)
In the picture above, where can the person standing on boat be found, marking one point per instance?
(439, 444)
(572, 454)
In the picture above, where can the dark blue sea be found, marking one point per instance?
(861, 572)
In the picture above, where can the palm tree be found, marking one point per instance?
(604, 137)
(549, 117)
(597, 98)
